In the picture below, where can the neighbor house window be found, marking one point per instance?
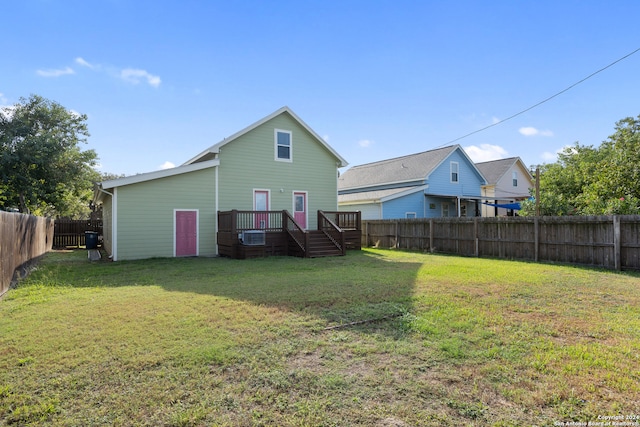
(283, 145)
(410, 215)
(514, 176)
(445, 210)
(454, 171)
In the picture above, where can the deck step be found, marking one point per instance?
(320, 245)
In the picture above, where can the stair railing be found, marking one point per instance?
(332, 231)
(296, 232)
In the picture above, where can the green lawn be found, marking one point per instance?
(190, 342)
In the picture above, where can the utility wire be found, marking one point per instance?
(541, 102)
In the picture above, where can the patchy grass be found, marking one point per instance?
(199, 342)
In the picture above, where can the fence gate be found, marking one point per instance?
(70, 233)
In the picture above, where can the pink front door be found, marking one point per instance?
(261, 203)
(186, 233)
(300, 208)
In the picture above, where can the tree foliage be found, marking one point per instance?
(42, 168)
(594, 181)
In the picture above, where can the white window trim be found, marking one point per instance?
(457, 172)
(406, 215)
(275, 144)
(514, 178)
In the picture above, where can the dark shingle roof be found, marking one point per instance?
(495, 169)
(409, 168)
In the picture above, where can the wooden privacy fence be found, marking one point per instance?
(603, 241)
(70, 232)
(23, 238)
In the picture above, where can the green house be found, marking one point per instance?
(276, 164)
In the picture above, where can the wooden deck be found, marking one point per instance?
(240, 232)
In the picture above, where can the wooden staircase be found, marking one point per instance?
(321, 245)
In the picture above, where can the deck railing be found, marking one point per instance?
(345, 220)
(297, 233)
(238, 221)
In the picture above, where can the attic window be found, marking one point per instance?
(283, 145)
(514, 177)
(454, 171)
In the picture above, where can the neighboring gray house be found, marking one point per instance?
(437, 183)
(508, 182)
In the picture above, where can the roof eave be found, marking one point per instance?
(149, 176)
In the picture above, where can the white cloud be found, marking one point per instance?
(531, 131)
(325, 138)
(167, 165)
(55, 73)
(549, 157)
(81, 61)
(364, 143)
(528, 131)
(495, 120)
(134, 76)
(485, 152)
(5, 109)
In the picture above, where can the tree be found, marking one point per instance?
(616, 185)
(42, 168)
(594, 181)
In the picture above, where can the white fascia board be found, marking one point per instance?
(364, 187)
(359, 202)
(464, 153)
(473, 165)
(149, 176)
(403, 193)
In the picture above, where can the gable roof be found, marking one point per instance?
(494, 170)
(405, 169)
(214, 149)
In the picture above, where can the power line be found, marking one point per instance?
(541, 102)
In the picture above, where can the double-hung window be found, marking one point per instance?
(283, 145)
(454, 172)
(514, 177)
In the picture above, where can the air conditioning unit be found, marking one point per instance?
(253, 237)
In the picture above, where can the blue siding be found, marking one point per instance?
(397, 208)
(437, 202)
(469, 182)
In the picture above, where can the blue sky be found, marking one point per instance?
(162, 81)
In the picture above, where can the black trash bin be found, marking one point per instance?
(91, 239)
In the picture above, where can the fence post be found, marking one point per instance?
(536, 238)
(475, 232)
(500, 243)
(431, 236)
(397, 238)
(616, 243)
(366, 234)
